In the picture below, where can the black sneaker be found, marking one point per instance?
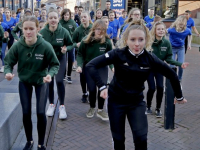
(148, 111)
(69, 80)
(28, 145)
(41, 148)
(158, 113)
(84, 98)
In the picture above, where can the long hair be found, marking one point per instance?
(64, 11)
(32, 19)
(182, 19)
(98, 23)
(129, 18)
(95, 18)
(136, 25)
(153, 30)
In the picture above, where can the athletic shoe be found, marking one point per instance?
(2, 69)
(41, 148)
(103, 115)
(148, 111)
(62, 112)
(69, 80)
(64, 78)
(158, 113)
(74, 68)
(90, 113)
(50, 110)
(28, 146)
(84, 98)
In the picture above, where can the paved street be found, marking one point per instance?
(81, 133)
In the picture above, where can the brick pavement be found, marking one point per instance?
(81, 133)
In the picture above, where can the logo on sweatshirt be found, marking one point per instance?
(59, 40)
(39, 56)
(70, 26)
(163, 48)
(102, 49)
(126, 64)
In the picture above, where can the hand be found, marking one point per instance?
(79, 70)
(184, 65)
(117, 37)
(113, 70)
(47, 79)
(104, 93)
(198, 35)
(64, 49)
(78, 44)
(9, 76)
(189, 48)
(6, 34)
(180, 102)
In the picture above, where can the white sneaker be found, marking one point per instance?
(50, 110)
(62, 112)
(2, 69)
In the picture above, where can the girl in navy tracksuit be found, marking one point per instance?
(132, 65)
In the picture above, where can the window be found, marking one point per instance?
(166, 8)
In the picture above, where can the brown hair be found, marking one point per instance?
(136, 25)
(32, 19)
(96, 14)
(110, 12)
(64, 11)
(52, 10)
(91, 34)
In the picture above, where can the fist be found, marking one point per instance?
(79, 70)
(47, 79)
(9, 76)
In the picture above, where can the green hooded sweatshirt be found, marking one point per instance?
(18, 28)
(80, 33)
(58, 38)
(70, 25)
(33, 61)
(163, 50)
(89, 51)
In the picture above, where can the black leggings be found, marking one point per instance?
(137, 119)
(25, 93)
(103, 72)
(186, 44)
(11, 40)
(59, 82)
(70, 59)
(153, 87)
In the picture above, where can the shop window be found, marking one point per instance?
(166, 8)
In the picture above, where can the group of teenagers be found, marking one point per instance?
(133, 52)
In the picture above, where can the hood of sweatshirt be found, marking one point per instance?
(39, 41)
(59, 28)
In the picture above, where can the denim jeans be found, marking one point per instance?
(179, 53)
(3, 52)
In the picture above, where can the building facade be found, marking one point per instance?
(15, 4)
